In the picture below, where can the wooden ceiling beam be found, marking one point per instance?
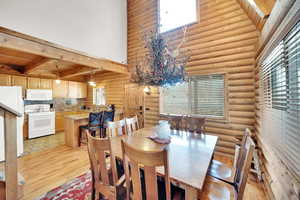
(78, 71)
(12, 69)
(28, 44)
(36, 64)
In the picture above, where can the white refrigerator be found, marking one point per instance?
(12, 97)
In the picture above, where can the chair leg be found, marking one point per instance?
(79, 137)
(93, 196)
(97, 195)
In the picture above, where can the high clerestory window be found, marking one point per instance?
(177, 13)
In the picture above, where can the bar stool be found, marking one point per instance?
(95, 119)
(107, 116)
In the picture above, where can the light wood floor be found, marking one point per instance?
(46, 170)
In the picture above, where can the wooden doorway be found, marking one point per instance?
(134, 102)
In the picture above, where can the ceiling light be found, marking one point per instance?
(147, 90)
(57, 81)
(92, 83)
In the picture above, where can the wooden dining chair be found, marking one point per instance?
(132, 124)
(134, 160)
(227, 173)
(116, 128)
(216, 189)
(175, 122)
(104, 173)
(194, 124)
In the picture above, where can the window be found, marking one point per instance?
(99, 96)
(202, 95)
(280, 102)
(176, 13)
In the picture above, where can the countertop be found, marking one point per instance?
(78, 116)
(81, 116)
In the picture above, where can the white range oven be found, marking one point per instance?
(41, 120)
(41, 124)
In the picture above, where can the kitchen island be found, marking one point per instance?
(72, 124)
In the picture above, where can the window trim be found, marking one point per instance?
(210, 117)
(179, 27)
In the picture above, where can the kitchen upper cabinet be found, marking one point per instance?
(73, 89)
(19, 81)
(5, 80)
(60, 90)
(46, 84)
(77, 90)
(82, 90)
(33, 83)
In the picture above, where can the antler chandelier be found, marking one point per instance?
(160, 66)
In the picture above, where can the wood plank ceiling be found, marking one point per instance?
(25, 55)
(258, 10)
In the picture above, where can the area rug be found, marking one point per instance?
(76, 189)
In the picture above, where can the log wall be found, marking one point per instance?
(223, 41)
(114, 84)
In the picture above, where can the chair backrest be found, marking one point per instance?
(116, 128)
(133, 159)
(108, 116)
(175, 122)
(194, 124)
(239, 162)
(244, 169)
(97, 150)
(95, 119)
(132, 124)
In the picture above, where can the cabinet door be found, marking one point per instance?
(60, 90)
(59, 122)
(73, 89)
(82, 90)
(46, 84)
(19, 81)
(33, 83)
(5, 80)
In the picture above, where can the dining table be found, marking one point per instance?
(189, 155)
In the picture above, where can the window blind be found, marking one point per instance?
(174, 100)
(280, 96)
(200, 96)
(292, 139)
(207, 96)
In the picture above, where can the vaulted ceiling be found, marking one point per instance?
(257, 10)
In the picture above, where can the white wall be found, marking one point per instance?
(96, 27)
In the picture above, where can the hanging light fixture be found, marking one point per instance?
(160, 66)
(91, 81)
(57, 81)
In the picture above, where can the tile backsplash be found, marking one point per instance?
(65, 104)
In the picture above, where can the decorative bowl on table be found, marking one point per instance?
(162, 131)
